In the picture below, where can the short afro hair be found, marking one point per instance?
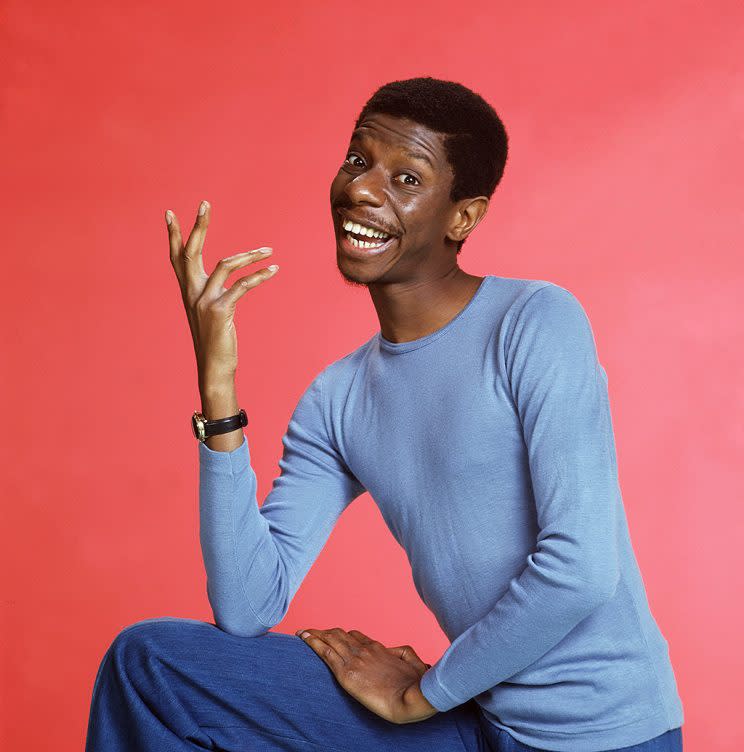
(476, 143)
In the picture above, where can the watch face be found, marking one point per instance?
(197, 426)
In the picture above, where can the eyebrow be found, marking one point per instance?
(419, 155)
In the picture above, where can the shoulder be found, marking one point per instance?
(548, 326)
(546, 306)
(541, 297)
(318, 394)
(518, 299)
(341, 371)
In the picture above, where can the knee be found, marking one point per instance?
(141, 639)
(158, 625)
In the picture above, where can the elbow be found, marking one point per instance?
(236, 616)
(601, 589)
(239, 622)
(603, 592)
(587, 588)
(249, 610)
(240, 627)
(587, 576)
(582, 597)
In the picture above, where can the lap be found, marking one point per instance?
(274, 686)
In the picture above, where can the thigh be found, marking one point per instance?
(274, 690)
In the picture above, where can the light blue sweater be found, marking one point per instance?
(488, 448)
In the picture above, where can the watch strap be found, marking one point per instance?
(225, 425)
(203, 428)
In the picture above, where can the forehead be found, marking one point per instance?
(405, 134)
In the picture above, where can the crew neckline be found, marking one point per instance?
(414, 344)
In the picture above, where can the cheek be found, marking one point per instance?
(420, 223)
(338, 183)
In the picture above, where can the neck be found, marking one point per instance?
(412, 309)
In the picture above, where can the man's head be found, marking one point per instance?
(424, 158)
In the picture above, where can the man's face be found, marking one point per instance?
(395, 178)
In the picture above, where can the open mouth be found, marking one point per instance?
(351, 246)
(364, 240)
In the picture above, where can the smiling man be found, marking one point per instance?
(478, 420)
(401, 214)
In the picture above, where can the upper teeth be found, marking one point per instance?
(350, 226)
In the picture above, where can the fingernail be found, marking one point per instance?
(169, 216)
(273, 267)
(203, 208)
(305, 634)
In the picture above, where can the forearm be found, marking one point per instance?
(233, 533)
(256, 557)
(537, 611)
(231, 527)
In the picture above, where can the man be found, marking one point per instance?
(478, 420)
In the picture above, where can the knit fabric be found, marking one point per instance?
(488, 448)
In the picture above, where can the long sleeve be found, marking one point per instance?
(256, 557)
(559, 390)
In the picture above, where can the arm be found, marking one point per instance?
(559, 390)
(256, 557)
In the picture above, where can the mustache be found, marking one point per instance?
(363, 219)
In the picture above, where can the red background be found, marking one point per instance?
(624, 184)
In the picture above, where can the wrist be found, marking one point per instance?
(219, 403)
(419, 708)
(216, 390)
(216, 384)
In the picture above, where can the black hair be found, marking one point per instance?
(476, 143)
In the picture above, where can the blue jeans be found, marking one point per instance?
(172, 684)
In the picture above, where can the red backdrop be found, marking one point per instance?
(623, 185)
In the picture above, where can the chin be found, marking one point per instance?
(354, 277)
(360, 268)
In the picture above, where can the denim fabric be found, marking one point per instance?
(498, 740)
(173, 684)
(170, 684)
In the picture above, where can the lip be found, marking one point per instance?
(345, 217)
(363, 253)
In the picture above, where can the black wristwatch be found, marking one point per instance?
(203, 428)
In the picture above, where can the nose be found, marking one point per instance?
(367, 188)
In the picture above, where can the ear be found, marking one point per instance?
(466, 216)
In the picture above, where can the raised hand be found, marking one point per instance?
(210, 307)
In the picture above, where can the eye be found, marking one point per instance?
(352, 156)
(408, 174)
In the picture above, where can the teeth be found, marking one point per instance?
(363, 243)
(350, 226)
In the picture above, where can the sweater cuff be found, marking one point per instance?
(224, 462)
(437, 696)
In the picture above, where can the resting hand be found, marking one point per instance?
(384, 680)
